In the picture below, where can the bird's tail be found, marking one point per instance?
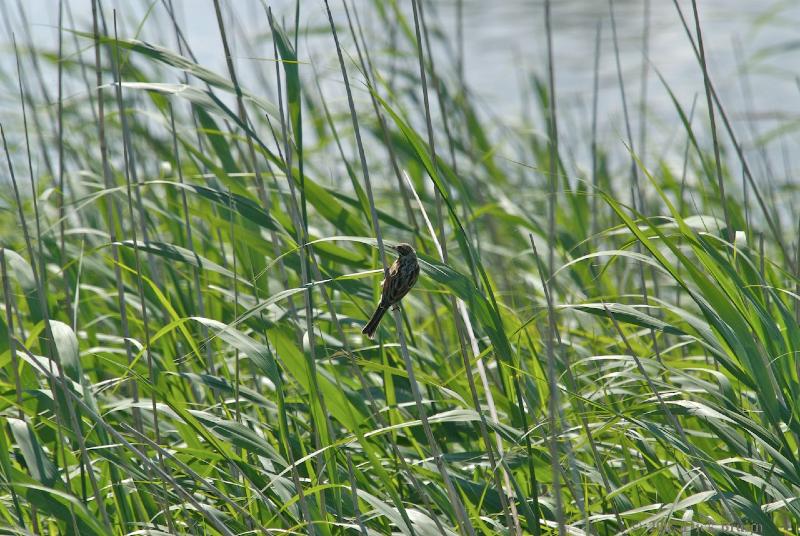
(372, 325)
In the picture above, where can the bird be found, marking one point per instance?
(401, 277)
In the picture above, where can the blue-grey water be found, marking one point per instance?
(751, 48)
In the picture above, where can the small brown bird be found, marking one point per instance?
(402, 276)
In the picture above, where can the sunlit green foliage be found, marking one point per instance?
(180, 347)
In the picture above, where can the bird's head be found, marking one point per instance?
(404, 249)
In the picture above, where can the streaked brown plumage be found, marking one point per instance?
(402, 276)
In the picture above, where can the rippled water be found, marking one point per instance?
(743, 42)
(504, 40)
